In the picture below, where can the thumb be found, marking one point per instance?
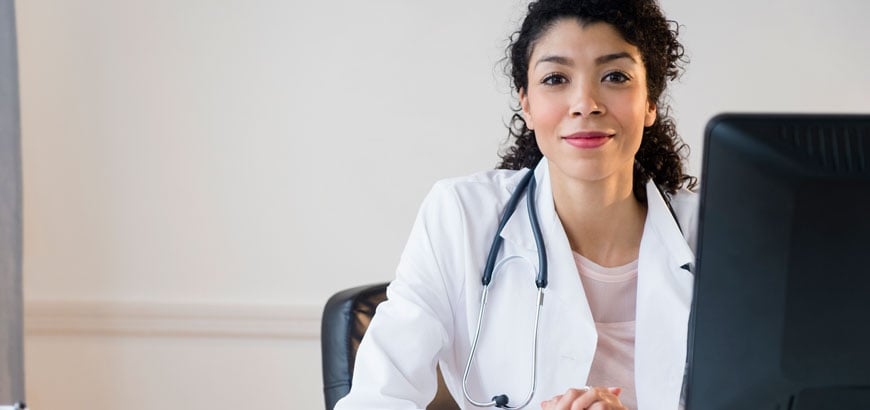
(615, 390)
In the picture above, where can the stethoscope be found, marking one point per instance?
(526, 186)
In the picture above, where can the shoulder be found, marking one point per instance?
(487, 187)
(467, 205)
(456, 219)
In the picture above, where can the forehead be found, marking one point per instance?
(570, 38)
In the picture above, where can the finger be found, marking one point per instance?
(585, 400)
(598, 398)
(550, 404)
(570, 396)
(606, 405)
(601, 405)
(576, 405)
(607, 399)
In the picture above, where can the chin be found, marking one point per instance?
(589, 171)
(585, 172)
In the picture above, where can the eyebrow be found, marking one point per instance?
(615, 56)
(598, 61)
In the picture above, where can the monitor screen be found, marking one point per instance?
(781, 309)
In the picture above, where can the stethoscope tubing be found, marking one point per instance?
(501, 401)
(541, 281)
(509, 209)
(526, 185)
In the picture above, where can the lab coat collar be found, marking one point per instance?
(518, 229)
(663, 221)
(659, 218)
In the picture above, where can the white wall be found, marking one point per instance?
(200, 175)
(770, 56)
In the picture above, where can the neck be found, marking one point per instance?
(602, 219)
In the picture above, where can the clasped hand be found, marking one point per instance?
(586, 398)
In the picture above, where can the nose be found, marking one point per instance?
(586, 103)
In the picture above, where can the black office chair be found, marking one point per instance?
(345, 319)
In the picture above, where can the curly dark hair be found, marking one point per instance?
(641, 24)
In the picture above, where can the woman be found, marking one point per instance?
(610, 205)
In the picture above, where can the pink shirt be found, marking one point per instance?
(612, 296)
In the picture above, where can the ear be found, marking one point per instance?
(524, 104)
(649, 117)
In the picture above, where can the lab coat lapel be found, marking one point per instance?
(664, 293)
(518, 230)
(571, 333)
(564, 281)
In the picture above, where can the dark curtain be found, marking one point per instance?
(11, 340)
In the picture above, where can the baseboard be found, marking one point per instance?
(172, 320)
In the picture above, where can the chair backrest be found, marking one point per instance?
(345, 319)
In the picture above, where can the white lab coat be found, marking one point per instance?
(431, 314)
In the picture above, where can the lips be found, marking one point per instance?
(588, 139)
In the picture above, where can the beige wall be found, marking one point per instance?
(199, 176)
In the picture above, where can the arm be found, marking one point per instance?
(395, 364)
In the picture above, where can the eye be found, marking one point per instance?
(554, 79)
(616, 77)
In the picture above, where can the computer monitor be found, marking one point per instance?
(781, 309)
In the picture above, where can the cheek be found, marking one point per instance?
(546, 114)
(634, 111)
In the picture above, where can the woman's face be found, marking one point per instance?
(587, 101)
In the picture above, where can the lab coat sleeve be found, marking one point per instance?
(395, 363)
